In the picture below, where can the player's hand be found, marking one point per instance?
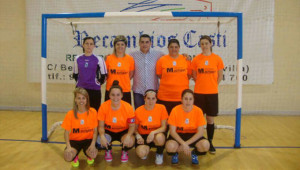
(92, 150)
(140, 141)
(104, 142)
(185, 148)
(126, 141)
(150, 137)
(187, 57)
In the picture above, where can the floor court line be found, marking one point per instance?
(220, 147)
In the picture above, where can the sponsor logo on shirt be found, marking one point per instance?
(175, 70)
(119, 72)
(206, 71)
(84, 130)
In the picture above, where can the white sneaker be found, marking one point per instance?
(159, 159)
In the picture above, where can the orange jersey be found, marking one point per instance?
(207, 68)
(118, 69)
(116, 120)
(149, 120)
(186, 122)
(174, 77)
(83, 127)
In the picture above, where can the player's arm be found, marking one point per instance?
(101, 130)
(162, 128)
(67, 139)
(194, 75)
(175, 135)
(220, 75)
(131, 73)
(94, 137)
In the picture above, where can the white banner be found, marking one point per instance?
(64, 41)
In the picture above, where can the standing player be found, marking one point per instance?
(80, 126)
(120, 67)
(90, 72)
(151, 123)
(174, 72)
(144, 75)
(116, 123)
(207, 73)
(186, 129)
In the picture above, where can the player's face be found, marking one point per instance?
(205, 45)
(80, 100)
(188, 100)
(88, 46)
(145, 44)
(115, 95)
(150, 99)
(120, 47)
(173, 49)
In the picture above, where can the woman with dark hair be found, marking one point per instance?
(207, 73)
(186, 123)
(151, 124)
(174, 72)
(116, 123)
(90, 72)
(80, 126)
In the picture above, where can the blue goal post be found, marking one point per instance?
(238, 16)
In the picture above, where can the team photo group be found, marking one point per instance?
(165, 114)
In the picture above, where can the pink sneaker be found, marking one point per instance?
(124, 156)
(108, 156)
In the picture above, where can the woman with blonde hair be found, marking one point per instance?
(120, 66)
(80, 126)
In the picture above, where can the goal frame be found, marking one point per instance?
(238, 16)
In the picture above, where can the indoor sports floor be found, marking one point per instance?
(267, 142)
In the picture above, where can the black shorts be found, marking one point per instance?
(209, 103)
(168, 104)
(151, 144)
(187, 136)
(95, 98)
(126, 96)
(116, 136)
(83, 144)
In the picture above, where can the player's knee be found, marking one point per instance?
(159, 139)
(171, 146)
(202, 145)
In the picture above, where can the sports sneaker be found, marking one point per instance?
(75, 162)
(90, 161)
(124, 156)
(212, 149)
(175, 159)
(159, 159)
(108, 156)
(194, 158)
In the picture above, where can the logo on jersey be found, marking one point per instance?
(86, 64)
(114, 120)
(174, 63)
(81, 121)
(206, 62)
(150, 119)
(119, 64)
(187, 121)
